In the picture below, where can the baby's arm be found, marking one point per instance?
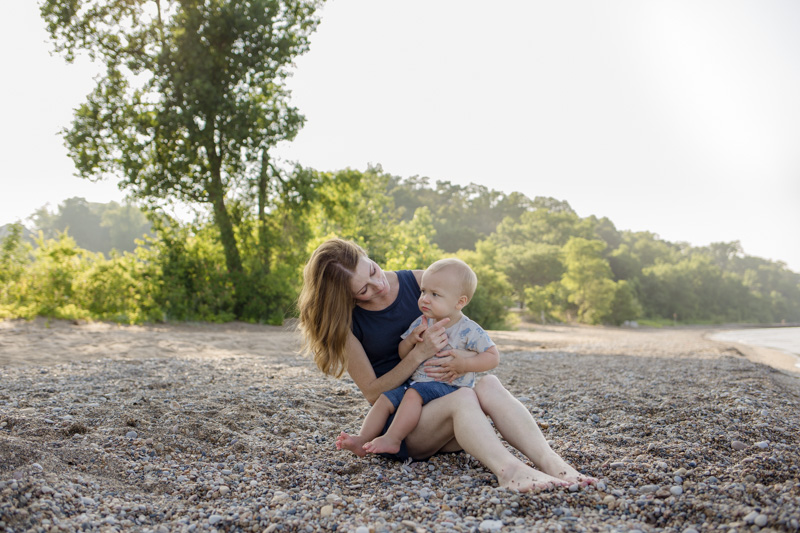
(407, 344)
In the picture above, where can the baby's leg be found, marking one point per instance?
(370, 428)
(404, 422)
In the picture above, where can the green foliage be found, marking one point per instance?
(625, 306)
(412, 247)
(546, 303)
(122, 289)
(47, 288)
(550, 222)
(14, 259)
(559, 266)
(353, 205)
(461, 215)
(588, 279)
(195, 283)
(530, 265)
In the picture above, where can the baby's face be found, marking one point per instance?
(439, 296)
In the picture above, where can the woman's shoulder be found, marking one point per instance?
(411, 278)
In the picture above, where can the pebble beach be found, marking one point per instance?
(224, 427)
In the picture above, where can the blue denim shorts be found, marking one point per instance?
(428, 390)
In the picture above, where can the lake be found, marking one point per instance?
(786, 340)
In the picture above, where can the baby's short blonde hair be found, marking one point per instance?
(462, 271)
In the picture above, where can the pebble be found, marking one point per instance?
(132, 435)
(490, 525)
(676, 490)
(738, 445)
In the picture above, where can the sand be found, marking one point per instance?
(203, 427)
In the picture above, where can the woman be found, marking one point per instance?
(351, 316)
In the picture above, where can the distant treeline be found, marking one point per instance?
(535, 254)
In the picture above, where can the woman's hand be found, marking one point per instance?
(448, 365)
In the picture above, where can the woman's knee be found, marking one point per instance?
(464, 396)
(488, 384)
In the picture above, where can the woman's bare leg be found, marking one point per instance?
(371, 427)
(459, 414)
(517, 426)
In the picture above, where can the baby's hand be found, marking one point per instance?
(418, 331)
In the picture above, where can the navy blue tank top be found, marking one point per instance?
(379, 331)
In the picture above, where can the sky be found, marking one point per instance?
(681, 118)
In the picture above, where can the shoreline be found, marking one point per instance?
(771, 355)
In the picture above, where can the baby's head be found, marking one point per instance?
(447, 286)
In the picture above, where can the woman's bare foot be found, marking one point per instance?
(558, 468)
(523, 478)
(354, 443)
(383, 444)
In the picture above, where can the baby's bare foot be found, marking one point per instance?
(383, 444)
(354, 443)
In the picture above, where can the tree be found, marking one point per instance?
(588, 279)
(96, 227)
(550, 222)
(461, 215)
(126, 224)
(352, 205)
(530, 265)
(412, 247)
(624, 306)
(81, 219)
(192, 98)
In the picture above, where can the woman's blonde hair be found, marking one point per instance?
(326, 303)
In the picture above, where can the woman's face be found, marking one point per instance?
(368, 281)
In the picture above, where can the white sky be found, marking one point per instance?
(681, 117)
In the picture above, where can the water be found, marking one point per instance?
(786, 340)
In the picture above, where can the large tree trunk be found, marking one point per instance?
(216, 193)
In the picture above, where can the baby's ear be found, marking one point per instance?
(462, 302)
